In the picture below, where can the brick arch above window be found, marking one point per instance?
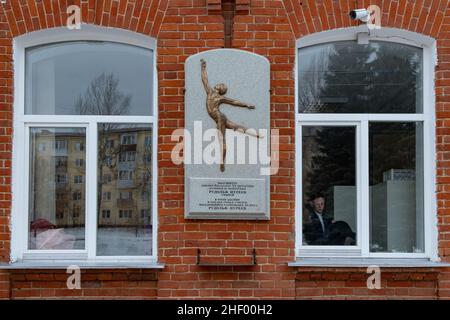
(140, 16)
(86, 33)
(307, 17)
(385, 34)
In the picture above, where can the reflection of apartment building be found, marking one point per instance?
(60, 169)
(124, 186)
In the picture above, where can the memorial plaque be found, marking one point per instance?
(227, 120)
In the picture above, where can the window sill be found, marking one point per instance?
(365, 262)
(83, 264)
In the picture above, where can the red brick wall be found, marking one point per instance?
(352, 283)
(4, 285)
(6, 81)
(266, 27)
(118, 284)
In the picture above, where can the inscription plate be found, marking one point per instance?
(237, 198)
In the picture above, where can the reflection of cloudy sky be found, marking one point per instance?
(78, 63)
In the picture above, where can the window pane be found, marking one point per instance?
(396, 187)
(56, 202)
(89, 78)
(122, 229)
(347, 77)
(329, 185)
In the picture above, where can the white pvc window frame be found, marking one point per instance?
(427, 117)
(22, 123)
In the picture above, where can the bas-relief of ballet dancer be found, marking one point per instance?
(214, 98)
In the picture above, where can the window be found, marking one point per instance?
(106, 214)
(128, 156)
(365, 186)
(60, 145)
(106, 196)
(56, 108)
(60, 178)
(125, 175)
(78, 179)
(125, 214)
(126, 195)
(79, 163)
(76, 213)
(60, 162)
(127, 139)
(77, 196)
(329, 182)
(79, 146)
(42, 147)
(60, 196)
(107, 178)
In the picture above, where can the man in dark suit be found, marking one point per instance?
(315, 230)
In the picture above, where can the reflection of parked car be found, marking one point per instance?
(41, 224)
(46, 236)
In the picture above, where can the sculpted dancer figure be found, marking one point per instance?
(214, 98)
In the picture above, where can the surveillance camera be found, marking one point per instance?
(360, 14)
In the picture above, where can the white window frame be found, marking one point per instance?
(361, 250)
(22, 123)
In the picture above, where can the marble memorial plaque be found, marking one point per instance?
(227, 117)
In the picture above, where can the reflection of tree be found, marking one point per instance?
(334, 163)
(348, 78)
(311, 82)
(107, 157)
(103, 97)
(142, 185)
(144, 180)
(375, 78)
